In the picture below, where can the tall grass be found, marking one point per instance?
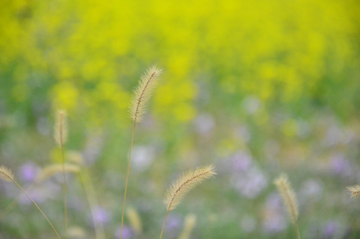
(140, 99)
(60, 135)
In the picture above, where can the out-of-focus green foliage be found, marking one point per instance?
(255, 87)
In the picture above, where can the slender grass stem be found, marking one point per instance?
(11, 205)
(91, 197)
(64, 186)
(127, 179)
(167, 213)
(57, 234)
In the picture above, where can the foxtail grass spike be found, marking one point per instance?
(354, 190)
(183, 185)
(288, 196)
(143, 93)
(60, 128)
(8, 176)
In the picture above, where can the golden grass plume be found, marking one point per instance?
(184, 184)
(6, 174)
(143, 93)
(288, 196)
(60, 128)
(354, 190)
(54, 169)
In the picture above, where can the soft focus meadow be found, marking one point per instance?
(255, 87)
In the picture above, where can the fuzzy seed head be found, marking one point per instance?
(288, 197)
(60, 128)
(6, 174)
(354, 190)
(185, 183)
(143, 93)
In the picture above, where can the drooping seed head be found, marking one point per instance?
(187, 182)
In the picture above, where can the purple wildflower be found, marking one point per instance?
(28, 171)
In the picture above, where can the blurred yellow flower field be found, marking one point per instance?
(254, 87)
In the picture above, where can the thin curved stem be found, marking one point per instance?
(127, 179)
(57, 234)
(11, 205)
(162, 231)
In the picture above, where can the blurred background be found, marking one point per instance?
(255, 87)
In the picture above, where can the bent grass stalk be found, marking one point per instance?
(183, 185)
(288, 195)
(142, 95)
(61, 137)
(7, 175)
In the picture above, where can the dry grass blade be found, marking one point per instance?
(354, 190)
(143, 92)
(51, 170)
(184, 184)
(6, 174)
